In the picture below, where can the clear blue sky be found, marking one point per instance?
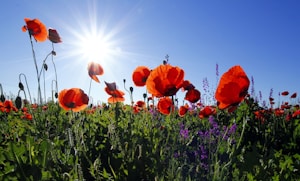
(263, 36)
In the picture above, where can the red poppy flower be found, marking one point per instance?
(207, 111)
(140, 75)
(73, 99)
(27, 116)
(285, 93)
(260, 115)
(7, 106)
(296, 113)
(232, 88)
(187, 85)
(95, 69)
(165, 105)
(183, 110)
(36, 28)
(294, 95)
(165, 80)
(115, 94)
(192, 95)
(53, 36)
(279, 112)
(140, 104)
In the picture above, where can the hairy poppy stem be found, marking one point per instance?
(56, 90)
(90, 87)
(36, 68)
(54, 66)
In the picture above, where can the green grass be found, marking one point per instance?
(111, 142)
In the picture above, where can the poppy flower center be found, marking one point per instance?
(170, 90)
(71, 105)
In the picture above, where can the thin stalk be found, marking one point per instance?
(90, 87)
(37, 71)
(21, 74)
(44, 86)
(54, 66)
(52, 89)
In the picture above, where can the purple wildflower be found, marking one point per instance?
(203, 152)
(205, 85)
(176, 155)
(271, 93)
(252, 87)
(184, 133)
(232, 129)
(260, 95)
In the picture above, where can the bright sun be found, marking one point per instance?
(95, 47)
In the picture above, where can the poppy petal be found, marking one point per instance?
(232, 88)
(165, 105)
(53, 36)
(140, 75)
(165, 80)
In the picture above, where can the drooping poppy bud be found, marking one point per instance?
(18, 102)
(45, 66)
(21, 86)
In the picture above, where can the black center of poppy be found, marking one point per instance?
(71, 104)
(170, 90)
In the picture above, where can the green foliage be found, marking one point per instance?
(114, 143)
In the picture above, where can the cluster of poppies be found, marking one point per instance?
(164, 81)
(285, 109)
(7, 106)
(76, 100)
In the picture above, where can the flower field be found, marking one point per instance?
(236, 137)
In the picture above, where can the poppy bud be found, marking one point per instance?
(18, 102)
(53, 53)
(45, 66)
(2, 98)
(131, 89)
(21, 86)
(56, 95)
(144, 95)
(124, 80)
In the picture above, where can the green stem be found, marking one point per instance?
(37, 71)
